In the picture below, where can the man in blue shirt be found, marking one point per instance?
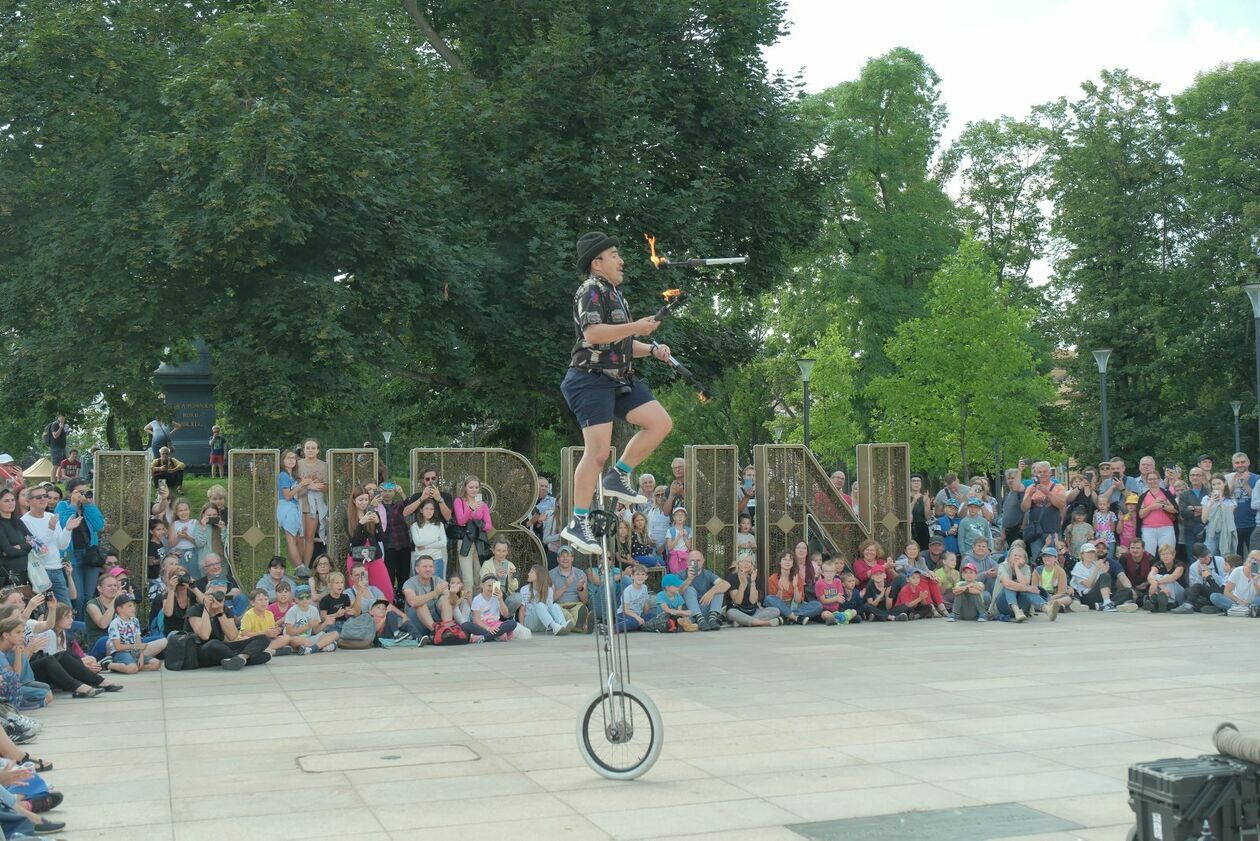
(1241, 484)
(703, 592)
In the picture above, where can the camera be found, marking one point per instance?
(364, 554)
(184, 578)
(218, 596)
(212, 521)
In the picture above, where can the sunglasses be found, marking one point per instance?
(304, 596)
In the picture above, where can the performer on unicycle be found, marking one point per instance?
(600, 384)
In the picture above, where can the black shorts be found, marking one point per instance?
(593, 398)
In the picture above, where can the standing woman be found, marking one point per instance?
(15, 541)
(920, 505)
(313, 501)
(1156, 509)
(428, 536)
(472, 515)
(288, 510)
(1220, 534)
(86, 532)
(367, 545)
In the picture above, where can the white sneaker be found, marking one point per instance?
(1239, 610)
(1127, 607)
(522, 633)
(557, 630)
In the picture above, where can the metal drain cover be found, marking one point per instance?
(966, 823)
(358, 760)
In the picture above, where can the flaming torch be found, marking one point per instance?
(663, 262)
(673, 298)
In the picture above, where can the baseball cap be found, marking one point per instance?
(974, 501)
(1050, 550)
(217, 582)
(125, 598)
(1086, 547)
(1203, 456)
(565, 550)
(302, 590)
(671, 580)
(913, 571)
(116, 571)
(937, 539)
(381, 601)
(1130, 497)
(5, 458)
(951, 501)
(969, 565)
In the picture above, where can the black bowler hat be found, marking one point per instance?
(589, 247)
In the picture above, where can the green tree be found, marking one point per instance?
(965, 375)
(887, 221)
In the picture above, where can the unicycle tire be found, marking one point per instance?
(615, 754)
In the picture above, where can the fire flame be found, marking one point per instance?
(671, 295)
(657, 261)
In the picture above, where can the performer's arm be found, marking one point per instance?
(606, 334)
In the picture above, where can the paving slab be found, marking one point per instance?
(777, 734)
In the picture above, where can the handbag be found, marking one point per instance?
(40, 582)
(92, 557)
(181, 651)
(361, 628)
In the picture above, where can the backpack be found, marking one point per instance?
(48, 439)
(358, 631)
(181, 651)
(448, 633)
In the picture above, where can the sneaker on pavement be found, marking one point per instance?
(802, 620)
(48, 827)
(951, 618)
(558, 630)
(901, 617)
(1107, 607)
(982, 618)
(475, 638)
(842, 617)
(716, 621)
(776, 622)
(617, 485)
(233, 664)
(578, 533)
(1127, 607)
(1053, 611)
(1184, 607)
(306, 649)
(1239, 610)
(1210, 609)
(427, 639)
(45, 802)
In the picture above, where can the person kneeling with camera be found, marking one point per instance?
(220, 640)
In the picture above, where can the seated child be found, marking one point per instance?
(670, 602)
(334, 607)
(971, 598)
(130, 653)
(916, 597)
(852, 602)
(878, 602)
(302, 622)
(505, 571)
(260, 621)
(947, 577)
(831, 594)
(539, 610)
(490, 614)
(635, 608)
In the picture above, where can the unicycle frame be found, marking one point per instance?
(611, 649)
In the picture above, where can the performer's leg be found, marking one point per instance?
(654, 425)
(596, 440)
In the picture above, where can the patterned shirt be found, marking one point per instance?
(599, 302)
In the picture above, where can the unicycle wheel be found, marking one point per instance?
(619, 733)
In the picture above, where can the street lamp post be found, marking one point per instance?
(1236, 405)
(387, 435)
(1101, 357)
(1253, 294)
(807, 368)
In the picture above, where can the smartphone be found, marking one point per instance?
(748, 484)
(1255, 567)
(161, 483)
(478, 498)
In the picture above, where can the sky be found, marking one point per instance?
(997, 58)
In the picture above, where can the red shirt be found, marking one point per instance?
(863, 570)
(909, 592)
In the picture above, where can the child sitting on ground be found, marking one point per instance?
(830, 593)
(916, 597)
(635, 608)
(971, 599)
(302, 622)
(877, 598)
(947, 576)
(490, 613)
(260, 621)
(284, 601)
(851, 604)
(669, 602)
(539, 610)
(505, 571)
(130, 654)
(334, 608)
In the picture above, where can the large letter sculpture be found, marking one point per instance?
(121, 487)
(253, 534)
(347, 469)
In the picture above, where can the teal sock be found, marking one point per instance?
(623, 467)
(581, 512)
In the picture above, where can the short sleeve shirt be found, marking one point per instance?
(599, 302)
(565, 586)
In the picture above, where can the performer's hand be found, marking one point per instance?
(661, 352)
(645, 326)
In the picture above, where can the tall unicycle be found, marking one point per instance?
(619, 730)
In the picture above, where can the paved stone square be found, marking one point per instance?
(766, 729)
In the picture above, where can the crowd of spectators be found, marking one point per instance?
(428, 569)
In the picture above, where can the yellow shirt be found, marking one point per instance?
(253, 623)
(489, 568)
